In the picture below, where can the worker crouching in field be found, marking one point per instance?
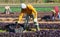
(55, 13)
(7, 10)
(30, 12)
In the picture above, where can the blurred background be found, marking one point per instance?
(28, 1)
(43, 8)
(40, 5)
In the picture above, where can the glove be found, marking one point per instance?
(18, 21)
(35, 20)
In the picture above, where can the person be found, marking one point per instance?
(30, 12)
(7, 10)
(55, 12)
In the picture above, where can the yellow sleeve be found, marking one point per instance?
(20, 17)
(34, 12)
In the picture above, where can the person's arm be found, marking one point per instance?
(34, 12)
(53, 12)
(20, 17)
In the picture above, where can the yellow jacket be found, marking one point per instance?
(29, 10)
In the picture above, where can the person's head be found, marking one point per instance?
(7, 7)
(23, 6)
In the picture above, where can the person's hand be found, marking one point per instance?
(20, 22)
(35, 20)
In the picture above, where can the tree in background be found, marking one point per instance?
(29, 1)
(57, 1)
